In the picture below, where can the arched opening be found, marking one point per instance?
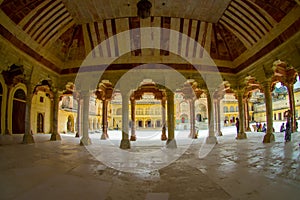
(70, 124)
(140, 123)
(40, 123)
(18, 114)
(199, 117)
(158, 123)
(148, 123)
(184, 118)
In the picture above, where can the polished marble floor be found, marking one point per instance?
(232, 169)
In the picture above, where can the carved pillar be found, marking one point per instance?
(269, 136)
(192, 117)
(217, 102)
(163, 116)
(104, 135)
(247, 117)
(79, 118)
(85, 139)
(290, 88)
(55, 103)
(7, 131)
(241, 132)
(132, 103)
(28, 137)
(211, 139)
(125, 143)
(171, 142)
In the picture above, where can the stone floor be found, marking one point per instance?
(232, 169)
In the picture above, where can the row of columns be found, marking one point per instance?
(213, 113)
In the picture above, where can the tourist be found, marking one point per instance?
(282, 129)
(264, 128)
(237, 124)
(288, 128)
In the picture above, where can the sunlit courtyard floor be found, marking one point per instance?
(231, 169)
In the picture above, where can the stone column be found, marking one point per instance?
(79, 118)
(85, 139)
(290, 88)
(211, 139)
(247, 117)
(125, 143)
(55, 103)
(163, 119)
(133, 136)
(7, 131)
(192, 117)
(28, 137)
(218, 117)
(241, 133)
(171, 142)
(104, 135)
(269, 136)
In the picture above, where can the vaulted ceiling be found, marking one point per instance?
(61, 33)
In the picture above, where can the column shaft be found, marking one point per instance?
(269, 136)
(85, 139)
(163, 119)
(79, 118)
(104, 135)
(292, 105)
(218, 114)
(241, 132)
(171, 142)
(192, 117)
(125, 143)
(133, 136)
(211, 139)
(55, 103)
(28, 137)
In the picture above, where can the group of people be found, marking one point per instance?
(260, 128)
(285, 127)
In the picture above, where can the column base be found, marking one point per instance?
(193, 135)
(28, 139)
(268, 138)
(55, 137)
(125, 144)
(219, 133)
(85, 141)
(241, 136)
(248, 129)
(211, 140)
(133, 138)
(164, 137)
(104, 136)
(171, 144)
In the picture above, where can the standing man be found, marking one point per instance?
(237, 124)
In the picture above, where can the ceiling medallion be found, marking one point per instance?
(144, 7)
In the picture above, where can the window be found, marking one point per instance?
(41, 99)
(231, 109)
(139, 111)
(225, 109)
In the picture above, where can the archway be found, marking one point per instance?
(148, 123)
(19, 107)
(40, 123)
(184, 118)
(70, 124)
(158, 123)
(199, 117)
